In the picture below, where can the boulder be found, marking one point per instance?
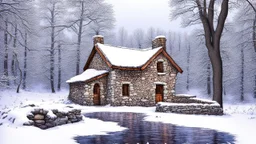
(39, 121)
(39, 117)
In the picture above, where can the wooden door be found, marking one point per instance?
(96, 94)
(159, 93)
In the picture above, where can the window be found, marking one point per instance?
(160, 67)
(125, 88)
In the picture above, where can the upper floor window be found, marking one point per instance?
(160, 67)
(125, 90)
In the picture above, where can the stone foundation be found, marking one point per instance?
(43, 119)
(188, 105)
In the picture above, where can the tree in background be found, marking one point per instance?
(205, 11)
(14, 17)
(138, 36)
(86, 12)
(246, 20)
(53, 15)
(122, 37)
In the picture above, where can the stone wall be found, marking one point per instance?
(190, 99)
(98, 63)
(42, 119)
(82, 93)
(142, 84)
(185, 105)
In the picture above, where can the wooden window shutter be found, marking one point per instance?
(125, 89)
(160, 67)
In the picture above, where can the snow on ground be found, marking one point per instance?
(240, 120)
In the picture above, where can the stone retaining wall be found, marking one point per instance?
(44, 119)
(189, 99)
(190, 105)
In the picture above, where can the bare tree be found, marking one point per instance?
(188, 66)
(53, 16)
(138, 36)
(246, 19)
(24, 81)
(204, 12)
(122, 37)
(59, 67)
(6, 55)
(242, 76)
(88, 12)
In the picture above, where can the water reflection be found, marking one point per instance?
(143, 132)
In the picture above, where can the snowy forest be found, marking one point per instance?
(45, 42)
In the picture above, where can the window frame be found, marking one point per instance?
(160, 67)
(125, 89)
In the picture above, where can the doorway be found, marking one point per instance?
(159, 93)
(96, 94)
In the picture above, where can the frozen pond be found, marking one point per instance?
(143, 132)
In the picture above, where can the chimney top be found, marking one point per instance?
(98, 39)
(159, 41)
(160, 36)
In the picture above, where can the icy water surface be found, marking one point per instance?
(142, 132)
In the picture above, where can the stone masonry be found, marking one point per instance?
(142, 84)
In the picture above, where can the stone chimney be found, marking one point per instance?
(159, 41)
(98, 39)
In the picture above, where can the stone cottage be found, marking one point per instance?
(125, 76)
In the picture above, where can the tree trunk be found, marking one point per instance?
(18, 67)
(79, 39)
(79, 46)
(14, 65)
(188, 67)
(59, 67)
(212, 36)
(6, 54)
(52, 59)
(242, 75)
(254, 44)
(209, 79)
(217, 69)
(24, 84)
(224, 89)
(254, 32)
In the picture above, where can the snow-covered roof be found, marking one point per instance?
(86, 75)
(127, 57)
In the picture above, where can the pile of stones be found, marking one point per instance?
(43, 120)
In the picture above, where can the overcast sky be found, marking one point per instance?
(133, 14)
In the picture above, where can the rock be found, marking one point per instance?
(39, 121)
(61, 121)
(39, 117)
(79, 117)
(30, 117)
(30, 123)
(36, 111)
(42, 127)
(50, 125)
